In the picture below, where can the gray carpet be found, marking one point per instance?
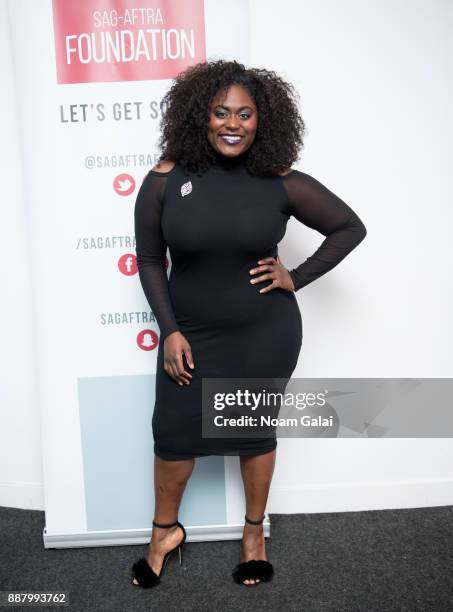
(346, 561)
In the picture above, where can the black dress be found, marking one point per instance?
(217, 226)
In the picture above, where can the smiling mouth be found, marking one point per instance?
(230, 139)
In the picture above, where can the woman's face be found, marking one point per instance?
(233, 120)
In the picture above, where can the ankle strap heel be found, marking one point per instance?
(143, 573)
(254, 522)
(257, 570)
(165, 525)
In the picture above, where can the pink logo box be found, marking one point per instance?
(127, 40)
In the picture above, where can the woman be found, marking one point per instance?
(220, 199)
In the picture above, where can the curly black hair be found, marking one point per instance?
(186, 110)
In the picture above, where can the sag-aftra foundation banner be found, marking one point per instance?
(90, 78)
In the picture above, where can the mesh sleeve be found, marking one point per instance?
(314, 205)
(151, 250)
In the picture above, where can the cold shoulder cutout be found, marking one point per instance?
(285, 172)
(164, 167)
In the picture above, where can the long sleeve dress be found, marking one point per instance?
(216, 227)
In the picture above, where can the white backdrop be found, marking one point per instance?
(377, 103)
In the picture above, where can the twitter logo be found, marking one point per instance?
(124, 184)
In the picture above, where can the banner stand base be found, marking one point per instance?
(142, 536)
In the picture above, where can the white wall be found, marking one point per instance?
(376, 94)
(375, 89)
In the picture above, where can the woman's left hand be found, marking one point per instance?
(275, 271)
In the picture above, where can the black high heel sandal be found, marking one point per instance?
(141, 570)
(254, 569)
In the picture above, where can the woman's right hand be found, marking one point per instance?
(175, 346)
